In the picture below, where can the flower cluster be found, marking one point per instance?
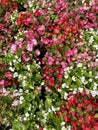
(80, 111)
(48, 49)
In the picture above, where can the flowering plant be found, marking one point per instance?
(48, 63)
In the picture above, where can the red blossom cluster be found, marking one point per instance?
(24, 19)
(9, 5)
(8, 79)
(80, 110)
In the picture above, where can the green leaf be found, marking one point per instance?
(96, 115)
(48, 102)
(69, 80)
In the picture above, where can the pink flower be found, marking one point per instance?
(21, 44)
(8, 75)
(41, 28)
(69, 53)
(64, 64)
(29, 47)
(37, 52)
(13, 48)
(47, 89)
(1, 90)
(93, 2)
(55, 40)
(44, 41)
(74, 50)
(50, 60)
(34, 42)
(1, 82)
(6, 17)
(25, 57)
(25, 5)
(28, 21)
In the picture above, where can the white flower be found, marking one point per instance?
(68, 127)
(63, 85)
(96, 77)
(97, 55)
(66, 76)
(94, 88)
(63, 128)
(27, 114)
(90, 72)
(21, 98)
(80, 89)
(11, 69)
(85, 82)
(27, 91)
(28, 67)
(37, 126)
(94, 93)
(20, 90)
(15, 103)
(20, 77)
(87, 91)
(67, 86)
(15, 75)
(84, 67)
(20, 102)
(24, 83)
(59, 90)
(24, 77)
(49, 110)
(19, 60)
(95, 46)
(45, 128)
(14, 61)
(79, 65)
(10, 63)
(67, 69)
(91, 39)
(82, 79)
(74, 92)
(25, 119)
(63, 123)
(65, 95)
(53, 109)
(42, 83)
(83, 1)
(95, 84)
(96, 60)
(71, 67)
(90, 80)
(57, 109)
(73, 78)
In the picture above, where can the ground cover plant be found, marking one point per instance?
(48, 65)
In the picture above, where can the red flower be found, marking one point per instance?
(57, 30)
(89, 119)
(66, 119)
(7, 83)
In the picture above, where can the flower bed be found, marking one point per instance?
(48, 65)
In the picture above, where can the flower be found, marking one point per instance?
(13, 48)
(69, 53)
(8, 75)
(37, 52)
(29, 47)
(50, 60)
(2, 82)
